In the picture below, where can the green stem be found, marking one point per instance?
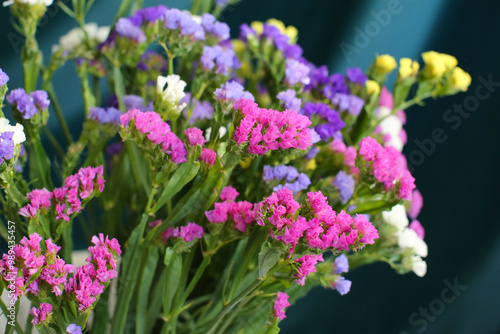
(415, 100)
(57, 108)
(9, 327)
(54, 142)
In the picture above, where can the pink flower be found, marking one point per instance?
(208, 156)
(195, 136)
(407, 186)
(418, 228)
(417, 201)
(280, 304)
(191, 231)
(228, 194)
(41, 316)
(308, 266)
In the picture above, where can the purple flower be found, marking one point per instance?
(126, 28)
(312, 152)
(3, 78)
(336, 84)
(201, 109)
(342, 285)
(6, 146)
(293, 51)
(351, 103)
(341, 264)
(221, 3)
(333, 121)
(296, 72)
(74, 329)
(41, 99)
(150, 14)
(289, 100)
(101, 115)
(25, 103)
(245, 31)
(356, 75)
(220, 58)
(216, 28)
(345, 184)
(136, 102)
(175, 19)
(232, 90)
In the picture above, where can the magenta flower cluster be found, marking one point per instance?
(42, 315)
(389, 167)
(151, 125)
(189, 232)
(267, 129)
(242, 214)
(86, 183)
(91, 279)
(280, 304)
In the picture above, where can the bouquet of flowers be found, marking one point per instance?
(218, 180)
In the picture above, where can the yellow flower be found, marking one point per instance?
(459, 79)
(407, 67)
(289, 31)
(436, 64)
(311, 164)
(238, 45)
(257, 26)
(372, 87)
(384, 64)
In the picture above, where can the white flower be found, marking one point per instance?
(174, 92)
(76, 36)
(396, 217)
(18, 130)
(391, 126)
(409, 239)
(419, 266)
(29, 2)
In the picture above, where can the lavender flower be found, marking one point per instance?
(216, 28)
(176, 19)
(6, 146)
(333, 121)
(126, 28)
(356, 75)
(351, 103)
(232, 90)
(28, 105)
(136, 102)
(220, 58)
(101, 115)
(342, 285)
(289, 100)
(200, 110)
(341, 264)
(289, 173)
(149, 14)
(345, 184)
(296, 72)
(3, 78)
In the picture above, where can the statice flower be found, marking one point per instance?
(330, 124)
(418, 228)
(341, 264)
(280, 304)
(136, 102)
(6, 146)
(185, 23)
(29, 104)
(126, 28)
(241, 214)
(345, 183)
(4, 78)
(151, 125)
(76, 37)
(109, 115)
(200, 109)
(215, 28)
(349, 154)
(342, 285)
(74, 329)
(149, 15)
(417, 201)
(173, 93)
(290, 174)
(308, 266)
(41, 316)
(190, 232)
(350, 103)
(218, 58)
(396, 217)
(356, 75)
(208, 156)
(289, 99)
(83, 185)
(232, 91)
(296, 72)
(267, 129)
(195, 136)
(388, 166)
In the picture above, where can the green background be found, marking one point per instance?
(458, 177)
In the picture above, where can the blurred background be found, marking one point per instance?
(458, 176)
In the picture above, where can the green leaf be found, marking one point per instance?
(359, 128)
(182, 176)
(372, 207)
(129, 275)
(268, 257)
(148, 271)
(173, 261)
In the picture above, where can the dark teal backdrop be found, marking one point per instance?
(459, 177)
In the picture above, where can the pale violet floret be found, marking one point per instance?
(173, 93)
